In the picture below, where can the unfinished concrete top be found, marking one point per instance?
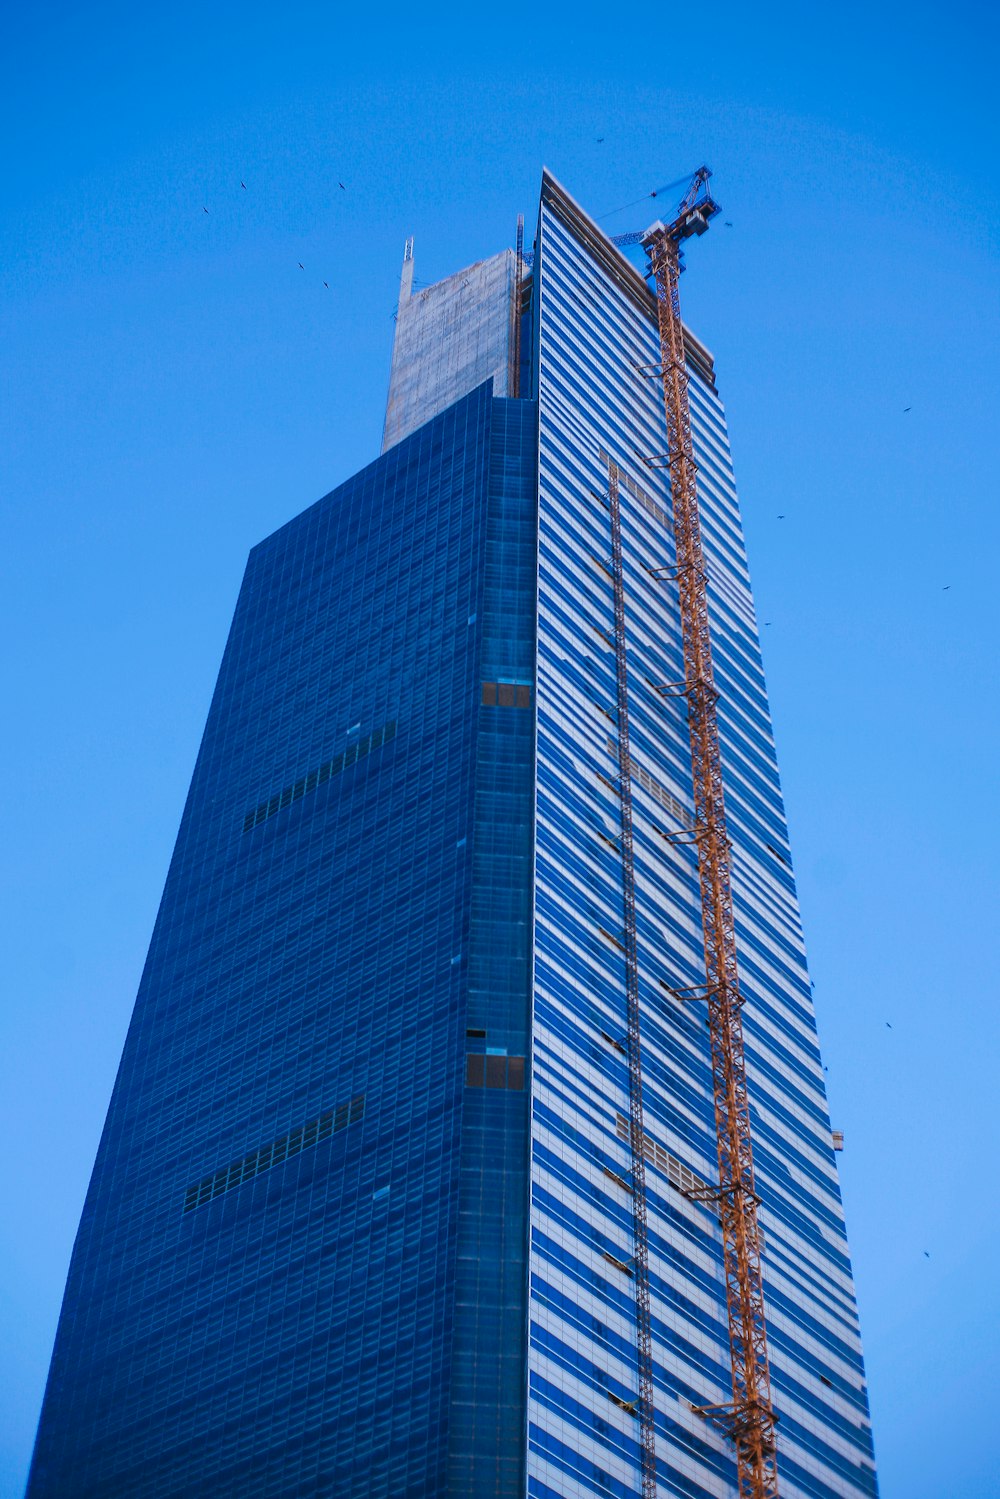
(450, 337)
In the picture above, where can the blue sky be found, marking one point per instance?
(175, 387)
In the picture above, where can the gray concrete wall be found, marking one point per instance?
(449, 338)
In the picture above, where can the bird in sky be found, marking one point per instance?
(204, 210)
(946, 587)
(343, 189)
(766, 623)
(243, 185)
(781, 517)
(927, 1254)
(727, 223)
(906, 409)
(888, 1026)
(301, 266)
(600, 140)
(327, 285)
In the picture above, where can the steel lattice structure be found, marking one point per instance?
(750, 1418)
(644, 1340)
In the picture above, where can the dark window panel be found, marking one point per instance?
(496, 1072)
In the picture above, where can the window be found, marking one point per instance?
(659, 793)
(679, 1175)
(291, 1144)
(494, 1071)
(506, 695)
(637, 492)
(365, 746)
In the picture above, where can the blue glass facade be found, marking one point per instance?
(360, 1222)
(487, 1426)
(282, 1264)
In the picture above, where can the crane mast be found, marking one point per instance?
(750, 1419)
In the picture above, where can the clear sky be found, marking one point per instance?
(174, 387)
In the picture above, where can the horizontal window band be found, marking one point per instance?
(353, 752)
(303, 1138)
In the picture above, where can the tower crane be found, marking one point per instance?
(750, 1418)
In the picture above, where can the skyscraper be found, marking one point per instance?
(363, 1217)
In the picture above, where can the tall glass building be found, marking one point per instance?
(360, 1222)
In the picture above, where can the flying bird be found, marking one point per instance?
(243, 186)
(906, 409)
(301, 266)
(343, 189)
(888, 1026)
(204, 210)
(727, 223)
(600, 140)
(327, 285)
(927, 1254)
(946, 587)
(781, 517)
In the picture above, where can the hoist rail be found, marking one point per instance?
(750, 1419)
(644, 1340)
